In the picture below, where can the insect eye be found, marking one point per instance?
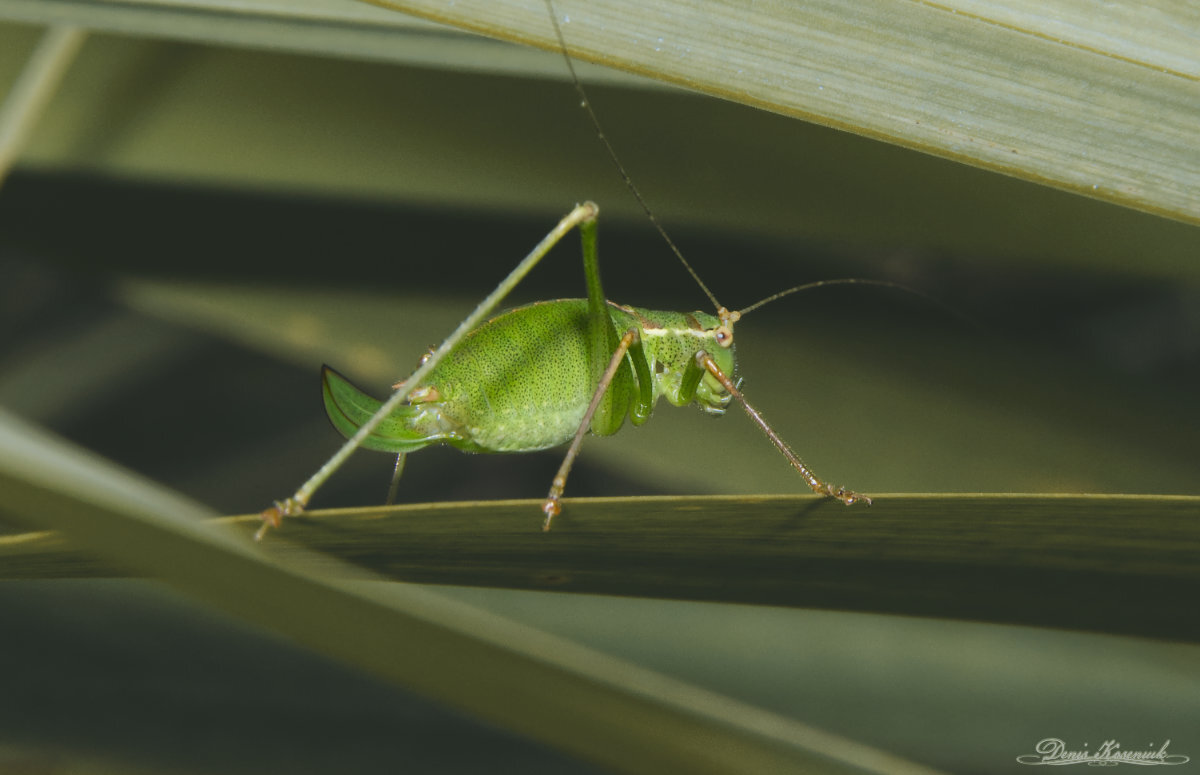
(724, 336)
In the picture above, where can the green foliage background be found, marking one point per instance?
(194, 228)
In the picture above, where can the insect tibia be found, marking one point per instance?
(552, 506)
(848, 497)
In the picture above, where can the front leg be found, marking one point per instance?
(704, 361)
(552, 507)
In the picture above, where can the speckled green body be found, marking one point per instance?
(523, 380)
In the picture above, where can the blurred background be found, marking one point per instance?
(196, 228)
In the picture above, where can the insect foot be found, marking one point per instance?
(273, 516)
(552, 507)
(848, 497)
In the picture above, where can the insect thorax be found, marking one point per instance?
(671, 341)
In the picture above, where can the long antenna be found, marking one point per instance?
(946, 308)
(822, 283)
(586, 104)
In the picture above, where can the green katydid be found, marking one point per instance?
(544, 374)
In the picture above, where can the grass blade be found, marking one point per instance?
(538, 685)
(1054, 560)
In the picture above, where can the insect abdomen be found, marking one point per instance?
(519, 382)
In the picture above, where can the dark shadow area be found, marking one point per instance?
(153, 687)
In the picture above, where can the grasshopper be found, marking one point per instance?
(544, 374)
(549, 373)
